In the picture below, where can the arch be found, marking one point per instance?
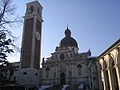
(100, 83)
(112, 72)
(111, 60)
(115, 76)
(47, 72)
(79, 66)
(104, 64)
(47, 69)
(118, 56)
(106, 77)
(62, 78)
(99, 66)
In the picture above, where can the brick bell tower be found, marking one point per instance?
(31, 45)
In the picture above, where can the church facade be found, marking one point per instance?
(67, 66)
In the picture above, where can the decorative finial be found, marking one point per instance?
(89, 52)
(67, 26)
(67, 32)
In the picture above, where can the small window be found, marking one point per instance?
(24, 73)
(62, 56)
(73, 49)
(55, 56)
(54, 74)
(36, 74)
(94, 78)
(31, 8)
(38, 10)
(47, 72)
(69, 73)
(79, 67)
(47, 69)
(66, 55)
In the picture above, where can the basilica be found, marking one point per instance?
(67, 66)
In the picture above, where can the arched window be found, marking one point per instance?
(31, 9)
(79, 69)
(47, 72)
(66, 55)
(38, 10)
(70, 74)
(54, 74)
(55, 56)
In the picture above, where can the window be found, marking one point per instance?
(55, 56)
(66, 55)
(73, 49)
(38, 10)
(47, 72)
(94, 78)
(36, 74)
(24, 73)
(62, 56)
(79, 69)
(31, 9)
(69, 73)
(54, 74)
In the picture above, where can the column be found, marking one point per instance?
(105, 79)
(111, 78)
(117, 67)
(99, 76)
(100, 80)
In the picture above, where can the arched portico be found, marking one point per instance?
(110, 68)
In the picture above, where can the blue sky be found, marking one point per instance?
(95, 24)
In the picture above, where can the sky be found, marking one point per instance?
(94, 24)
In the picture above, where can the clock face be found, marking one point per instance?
(62, 56)
(38, 35)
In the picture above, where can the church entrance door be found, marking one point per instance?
(62, 78)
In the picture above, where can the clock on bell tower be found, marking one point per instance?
(31, 41)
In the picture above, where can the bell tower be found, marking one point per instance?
(29, 72)
(31, 42)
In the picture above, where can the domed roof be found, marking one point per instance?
(68, 40)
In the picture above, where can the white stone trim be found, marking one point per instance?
(33, 42)
(22, 42)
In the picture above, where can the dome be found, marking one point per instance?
(68, 40)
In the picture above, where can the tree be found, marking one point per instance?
(8, 19)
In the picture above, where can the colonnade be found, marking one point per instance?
(109, 66)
